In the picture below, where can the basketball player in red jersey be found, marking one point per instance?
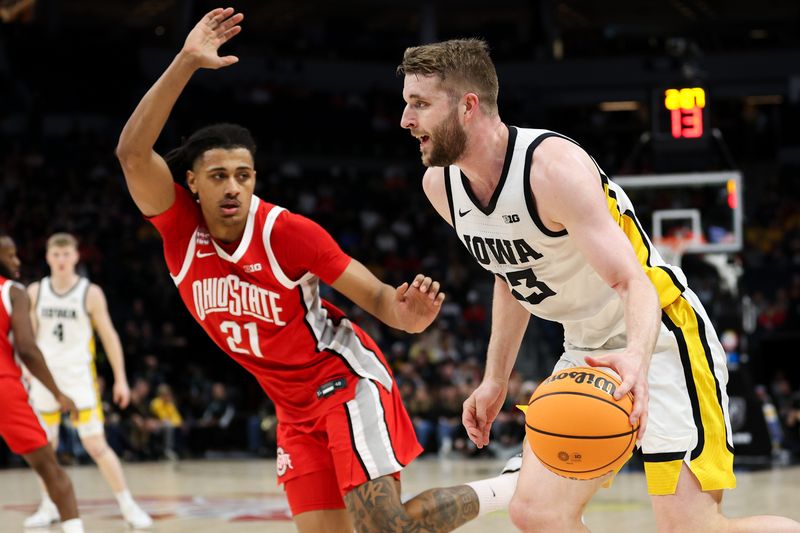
(20, 427)
(249, 273)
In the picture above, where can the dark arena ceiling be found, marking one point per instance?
(339, 28)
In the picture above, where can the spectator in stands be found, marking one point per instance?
(137, 422)
(212, 428)
(166, 412)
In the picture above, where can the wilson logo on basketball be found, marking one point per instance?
(599, 382)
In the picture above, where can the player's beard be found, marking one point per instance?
(449, 141)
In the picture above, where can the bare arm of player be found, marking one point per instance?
(33, 294)
(410, 308)
(568, 191)
(97, 307)
(146, 173)
(434, 187)
(509, 321)
(29, 353)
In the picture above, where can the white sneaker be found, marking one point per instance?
(46, 514)
(136, 517)
(512, 465)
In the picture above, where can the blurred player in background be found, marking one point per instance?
(249, 273)
(67, 308)
(20, 426)
(564, 244)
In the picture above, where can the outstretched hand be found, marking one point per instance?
(634, 380)
(215, 29)
(418, 303)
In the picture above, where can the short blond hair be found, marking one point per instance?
(62, 240)
(460, 64)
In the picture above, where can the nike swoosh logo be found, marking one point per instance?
(462, 213)
(201, 255)
(493, 494)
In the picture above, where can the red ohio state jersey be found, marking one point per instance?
(8, 363)
(260, 303)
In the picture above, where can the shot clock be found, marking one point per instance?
(680, 113)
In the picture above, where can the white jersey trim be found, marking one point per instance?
(187, 260)
(246, 237)
(341, 339)
(369, 431)
(6, 296)
(277, 271)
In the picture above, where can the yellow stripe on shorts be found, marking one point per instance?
(662, 476)
(84, 416)
(712, 459)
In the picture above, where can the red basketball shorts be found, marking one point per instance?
(20, 426)
(321, 460)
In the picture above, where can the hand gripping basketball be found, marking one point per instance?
(576, 427)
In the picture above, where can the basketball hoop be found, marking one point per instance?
(673, 246)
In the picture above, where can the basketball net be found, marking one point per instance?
(673, 246)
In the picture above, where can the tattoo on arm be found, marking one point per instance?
(375, 507)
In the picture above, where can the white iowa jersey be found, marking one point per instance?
(64, 330)
(544, 270)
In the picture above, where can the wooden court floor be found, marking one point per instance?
(241, 496)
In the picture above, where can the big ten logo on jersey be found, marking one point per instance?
(236, 297)
(255, 267)
(510, 219)
(203, 237)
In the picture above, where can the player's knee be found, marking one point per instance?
(51, 473)
(95, 446)
(532, 518)
(47, 469)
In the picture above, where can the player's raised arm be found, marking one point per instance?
(148, 177)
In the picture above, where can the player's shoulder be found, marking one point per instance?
(17, 290)
(433, 179)
(94, 293)
(556, 161)
(556, 147)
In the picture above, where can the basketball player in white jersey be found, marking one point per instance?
(66, 310)
(564, 244)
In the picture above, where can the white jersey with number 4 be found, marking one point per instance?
(64, 329)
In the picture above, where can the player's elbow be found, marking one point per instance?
(127, 155)
(27, 352)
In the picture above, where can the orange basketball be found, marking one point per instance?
(575, 426)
